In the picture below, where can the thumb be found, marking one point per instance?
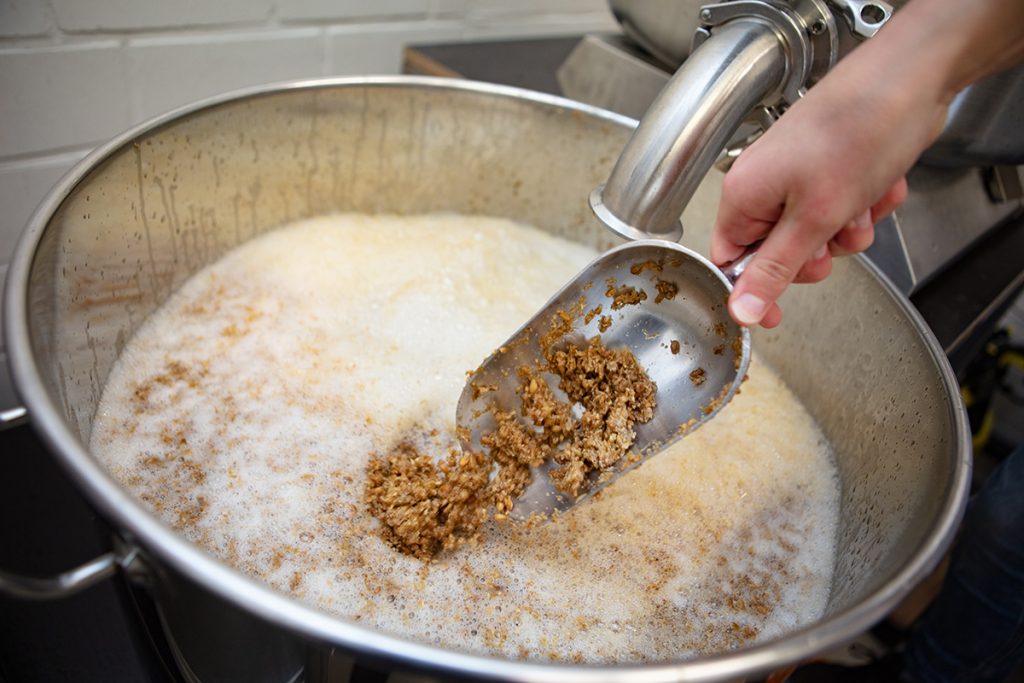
(772, 269)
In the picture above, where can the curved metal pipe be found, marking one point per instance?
(687, 127)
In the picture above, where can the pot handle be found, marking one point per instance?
(66, 583)
(12, 417)
(74, 580)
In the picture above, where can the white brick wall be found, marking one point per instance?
(23, 18)
(376, 48)
(62, 96)
(349, 10)
(147, 15)
(168, 71)
(23, 183)
(73, 73)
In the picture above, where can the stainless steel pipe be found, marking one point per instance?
(688, 126)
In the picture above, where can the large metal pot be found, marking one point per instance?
(144, 212)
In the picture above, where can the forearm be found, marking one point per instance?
(888, 100)
(949, 44)
(835, 161)
(932, 49)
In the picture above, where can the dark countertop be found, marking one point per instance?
(49, 528)
(527, 64)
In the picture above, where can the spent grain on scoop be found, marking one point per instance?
(426, 508)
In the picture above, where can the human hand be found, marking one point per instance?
(816, 182)
(810, 199)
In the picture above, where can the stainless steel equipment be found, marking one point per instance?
(144, 212)
(750, 58)
(686, 129)
(665, 28)
(693, 311)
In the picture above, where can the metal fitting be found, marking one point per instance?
(865, 17)
(805, 27)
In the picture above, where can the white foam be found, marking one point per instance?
(312, 346)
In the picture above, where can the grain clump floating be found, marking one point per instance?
(427, 507)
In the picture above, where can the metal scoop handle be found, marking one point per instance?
(733, 269)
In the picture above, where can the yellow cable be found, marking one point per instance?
(984, 433)
(967, 395)
(1011, 358)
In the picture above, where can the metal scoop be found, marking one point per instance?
(681, 334)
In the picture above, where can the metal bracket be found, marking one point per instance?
(733, 151)
(1005, 183)
(865, 17)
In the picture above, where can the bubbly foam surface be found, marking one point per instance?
(244, 410)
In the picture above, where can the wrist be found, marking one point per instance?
(941, 46)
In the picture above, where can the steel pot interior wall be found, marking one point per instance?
(141, 216)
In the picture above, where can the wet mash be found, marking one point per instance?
(245, 411)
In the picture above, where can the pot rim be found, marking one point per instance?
(264, 602)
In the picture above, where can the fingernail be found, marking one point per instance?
(749, 309)
(820, 254)
(864, 222)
